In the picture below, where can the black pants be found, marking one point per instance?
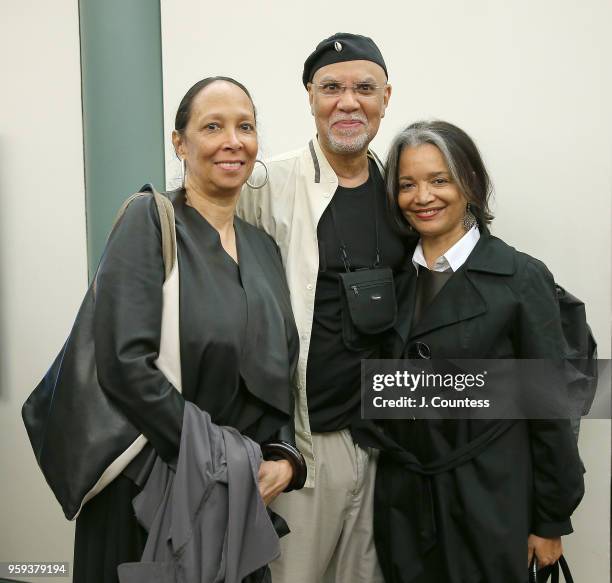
(107, 534)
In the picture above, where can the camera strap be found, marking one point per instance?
(343, 248)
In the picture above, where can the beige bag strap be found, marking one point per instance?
(169, 357)
(166, 219)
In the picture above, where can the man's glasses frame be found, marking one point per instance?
(335, 88)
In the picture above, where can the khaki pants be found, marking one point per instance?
(331, 539)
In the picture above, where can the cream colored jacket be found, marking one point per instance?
(299, 188)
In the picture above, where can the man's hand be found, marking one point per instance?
(547, 550)
(273, 478)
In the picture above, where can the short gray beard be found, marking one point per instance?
(357, 144)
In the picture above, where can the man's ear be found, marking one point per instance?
(310, 97)
(386, 97)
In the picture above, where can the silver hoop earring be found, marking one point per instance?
(256, 187)
(183, 172)
(469, 220)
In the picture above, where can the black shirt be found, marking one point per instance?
(334, 372)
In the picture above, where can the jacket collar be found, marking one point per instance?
(315, 167)
(323, 172)
(492, 255)
(460, 298)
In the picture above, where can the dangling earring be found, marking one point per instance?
(255, 187)
(469, 220)
(183, 172)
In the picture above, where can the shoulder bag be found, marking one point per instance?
(81, 441)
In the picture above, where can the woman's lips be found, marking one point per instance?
(230, 165)
(427, 214)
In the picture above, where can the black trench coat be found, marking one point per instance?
(523, 477)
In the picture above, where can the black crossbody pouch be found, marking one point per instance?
(368, 305)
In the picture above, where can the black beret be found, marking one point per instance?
(341, 47)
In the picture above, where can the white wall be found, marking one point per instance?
(42, 250)
(530, 81)
(527, 79)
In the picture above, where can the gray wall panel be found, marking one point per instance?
(122, 108)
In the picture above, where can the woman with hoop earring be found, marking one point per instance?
(238, 339)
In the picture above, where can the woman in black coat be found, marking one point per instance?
(480, 516)
(238, 340)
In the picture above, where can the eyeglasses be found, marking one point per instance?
(335, 89)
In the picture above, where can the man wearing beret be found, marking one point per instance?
(325, 207)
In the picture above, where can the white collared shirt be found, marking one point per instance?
(454, 258)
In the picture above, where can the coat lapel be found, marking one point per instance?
(265, 330)
(460, 299)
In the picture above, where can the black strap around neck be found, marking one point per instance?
(343, 248)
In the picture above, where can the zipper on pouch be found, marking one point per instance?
(363, 286)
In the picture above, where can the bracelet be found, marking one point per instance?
(286, 451)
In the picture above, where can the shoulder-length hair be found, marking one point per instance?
(462, 158)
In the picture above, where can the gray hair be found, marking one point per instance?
(462, 158)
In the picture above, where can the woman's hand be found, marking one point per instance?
(273, 477)
(547, 550)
